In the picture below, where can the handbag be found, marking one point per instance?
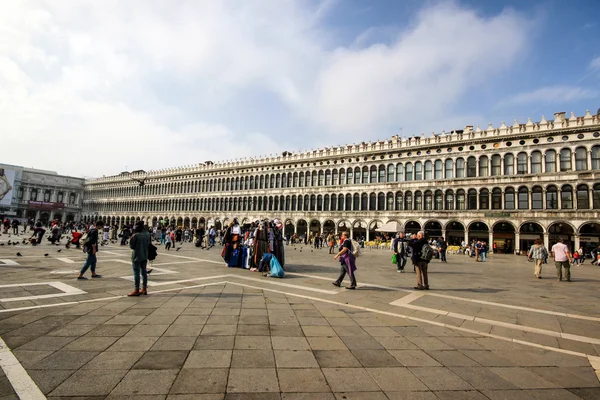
(394, 259)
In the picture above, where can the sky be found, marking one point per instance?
(94, 88)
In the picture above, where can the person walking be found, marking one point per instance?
(442, 246)
(399, 247)
(347, 261)
(139, 243)
(538, 253)
(168, 241)
(91, 248)
(419, 263)
(562, 258)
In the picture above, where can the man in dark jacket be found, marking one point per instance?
(91, 248)
(419, 263)
(139, 243)
(399, 245)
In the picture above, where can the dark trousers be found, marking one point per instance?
(343, 272)
(401, 262)
(443, 255)
(422, 277)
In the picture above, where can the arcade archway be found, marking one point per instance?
(504, 237)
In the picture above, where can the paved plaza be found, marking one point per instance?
(484, 330)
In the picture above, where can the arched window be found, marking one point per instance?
(372, 202)
(356, 202)
(321, 178)
(328, 178)
(299, 208)
(314, 179)
(349, 201)
(536, 162)
(333, 202)
(484, 199)
(565, 160)
(496, 199)
(373, 174)
(471, 167)
(537, 201)
(449, 200)
(596, 196)
(460, 199)
(418, 171)
(460, 168)
(596, 157)
(294, 180)
(381, 202)
(496, 165)
(325, 203)
(583, 197)
(342, 176)
(382, 174)
(364, 202)
(551, 198)
(428, 200)
(391, 173)
(409, 172)
(408, 201)
(566, 197)
(300, 180)
(357, 176)
(307, 180)
(400, 172)
(389, 202)
(438, 200)
(580, 159)
(428, 170)
(418, 200)
(509, 164)
(483, 166)
(438, 170)
(550, 161)
(522, 163)
(509, 198)
(365, 177)
(472, 199)
(449, 169)
(523, 198)
(399, 201)
(349, 175)
(334, 178)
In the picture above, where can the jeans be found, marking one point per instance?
(483, 254)
(139, 267)
(90, 262)
(343, 271)
(401, 260)
(443, 255)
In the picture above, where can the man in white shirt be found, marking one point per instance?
(562, 259)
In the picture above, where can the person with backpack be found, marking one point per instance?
(422, 253)
(139, 245)
(347, 261)
(538, 253)
(399, 248)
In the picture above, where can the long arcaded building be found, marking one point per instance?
(507, 185)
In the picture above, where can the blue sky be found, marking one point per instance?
(91, 88)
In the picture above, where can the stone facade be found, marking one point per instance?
(507, 185)
(45, 195)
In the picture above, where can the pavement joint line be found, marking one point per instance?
(523, 328)
(67, 290)
(411, 318)
(8, 262)
(408, 298)
(152, 284)
(66, 260)
(193, 258)
(18, 377)
(468, 300)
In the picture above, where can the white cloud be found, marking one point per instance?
(552, 94)
(88, 87)
(595, 63)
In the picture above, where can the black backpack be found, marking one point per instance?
(152, 252)
(426, 252)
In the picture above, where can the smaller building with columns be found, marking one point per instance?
(41, 194)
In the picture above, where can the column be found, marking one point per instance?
(490, 242)
(576, 244)
(530, 200)
(444, 235)
(351, 232)
(547, 241)
(517, 243)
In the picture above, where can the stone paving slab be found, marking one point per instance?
(258, 340)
